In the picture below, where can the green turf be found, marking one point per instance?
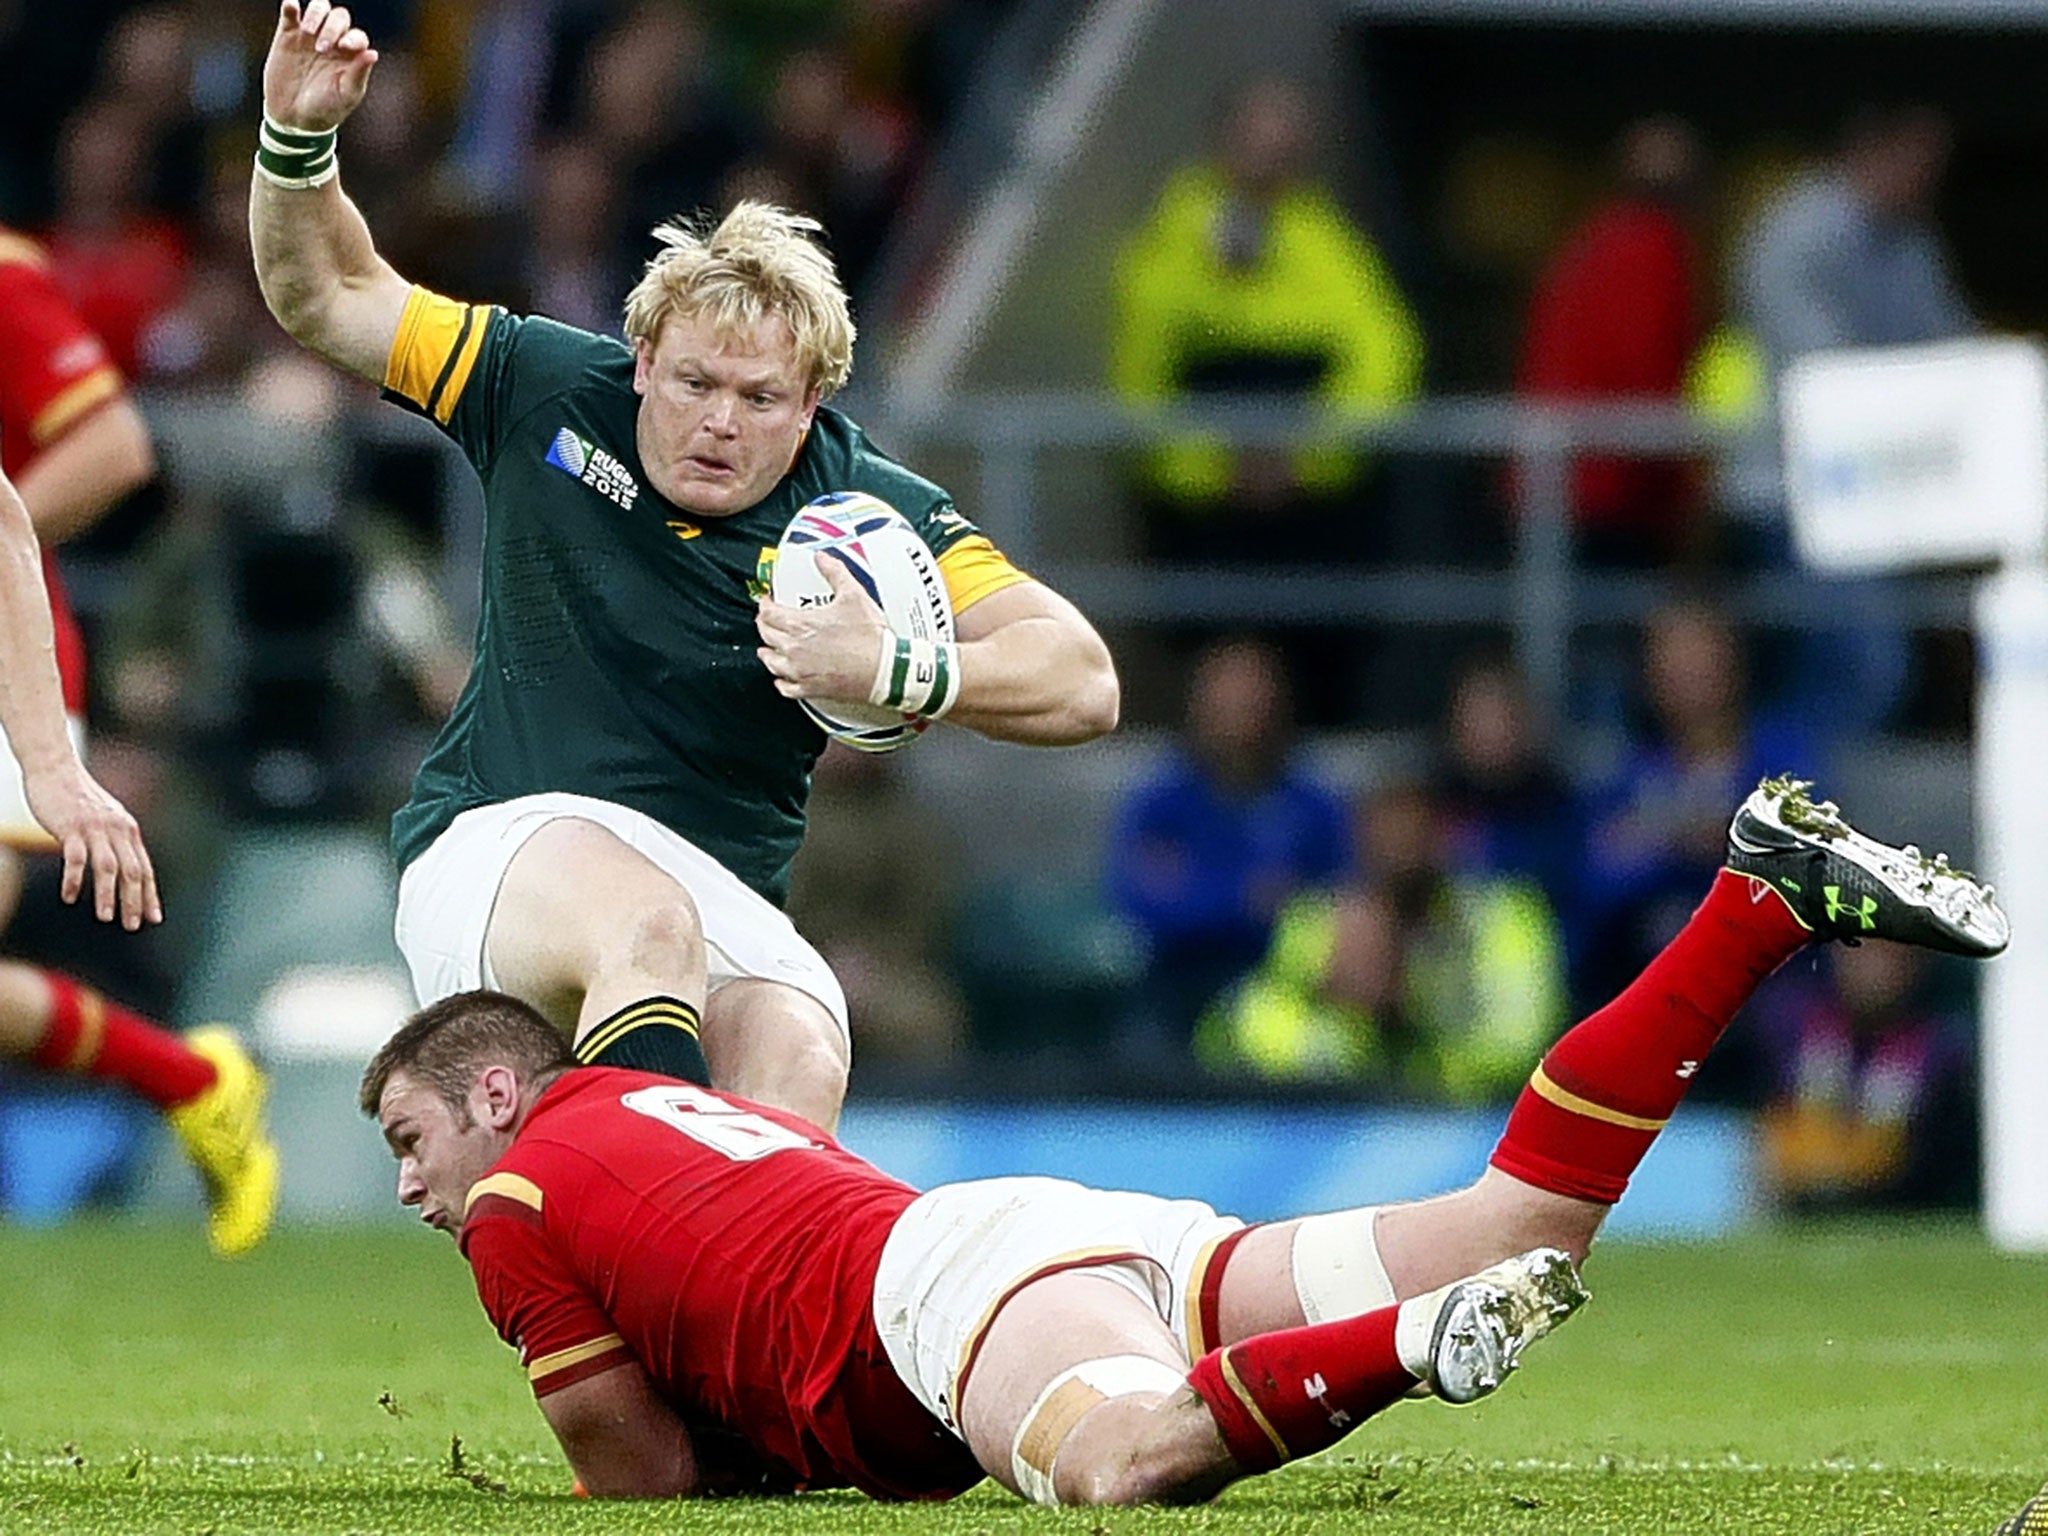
(1839, 1380)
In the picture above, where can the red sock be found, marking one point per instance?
(1604, 1091)
(1277, 1396)
(89, 1035)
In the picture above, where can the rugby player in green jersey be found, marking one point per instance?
(604, 827)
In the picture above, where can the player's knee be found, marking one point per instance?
(1156, 1478)
(808, 1074)
(24, 995)
(818, 1052)
(768, 1041)
(1128, 1476)
(1139, 1468)
(661, 934)
(1100, 1434)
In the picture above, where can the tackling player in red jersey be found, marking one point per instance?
(71, 445)
(711, 1295)
(755, 1326)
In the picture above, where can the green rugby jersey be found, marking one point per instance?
(615, 653)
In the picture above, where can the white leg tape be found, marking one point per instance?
(1066, 1398)
(1337, 1268)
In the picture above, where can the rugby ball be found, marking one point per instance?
(894, 566)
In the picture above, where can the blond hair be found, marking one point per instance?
(760, 262)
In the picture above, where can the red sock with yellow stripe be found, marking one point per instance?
(1604, 1091)
(1276, 1396)
(90, 1036)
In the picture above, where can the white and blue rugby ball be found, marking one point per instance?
(894, 566)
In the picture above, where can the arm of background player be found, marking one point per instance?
(319, 271)
(1033, 670)
(70, 484)
(621, 1440)
(92, 826)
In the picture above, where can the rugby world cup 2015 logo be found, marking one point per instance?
(583, 460)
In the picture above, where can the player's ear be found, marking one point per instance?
(496, 1097)
(811, 399)
(643, 360)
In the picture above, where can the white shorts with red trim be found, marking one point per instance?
(958, 1252)
(446, 895)
(19, 829)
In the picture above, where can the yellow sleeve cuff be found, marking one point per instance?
(974, 568)
(434, 351)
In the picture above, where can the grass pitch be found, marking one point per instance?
(1869, 1379)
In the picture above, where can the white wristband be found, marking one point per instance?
(295, 158)
(319, 178)
(919, 677)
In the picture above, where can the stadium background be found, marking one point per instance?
(277, 623)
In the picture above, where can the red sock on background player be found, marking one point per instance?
(89, 1036)
(1600, 1096)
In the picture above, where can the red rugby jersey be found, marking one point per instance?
(728, 1247)
(53, 373)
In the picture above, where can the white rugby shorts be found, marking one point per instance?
(446, 895)
(961, 1250)
(19, 829)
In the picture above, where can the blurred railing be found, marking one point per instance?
(1012, 443)
(1542, 596)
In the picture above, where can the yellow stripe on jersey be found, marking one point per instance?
(511, 1185)
(562, 1359)
(72, 402)
(436, 347)
(974, 569)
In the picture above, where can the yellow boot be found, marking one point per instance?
(223, 1132)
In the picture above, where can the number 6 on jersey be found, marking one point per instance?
(709, 1120)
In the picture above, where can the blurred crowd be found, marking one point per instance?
(520, 150)
(1410, 928)
(1251, 277)
(278, 640)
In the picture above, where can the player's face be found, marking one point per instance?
(722, 413)
(441, 1152)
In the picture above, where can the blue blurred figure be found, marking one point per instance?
(1203, 855)
(1656, 828)
(1508, 808)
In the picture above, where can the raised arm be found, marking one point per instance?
(93, 828)
(319, 271)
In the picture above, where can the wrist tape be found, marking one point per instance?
(295, 158)
(919, 677)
